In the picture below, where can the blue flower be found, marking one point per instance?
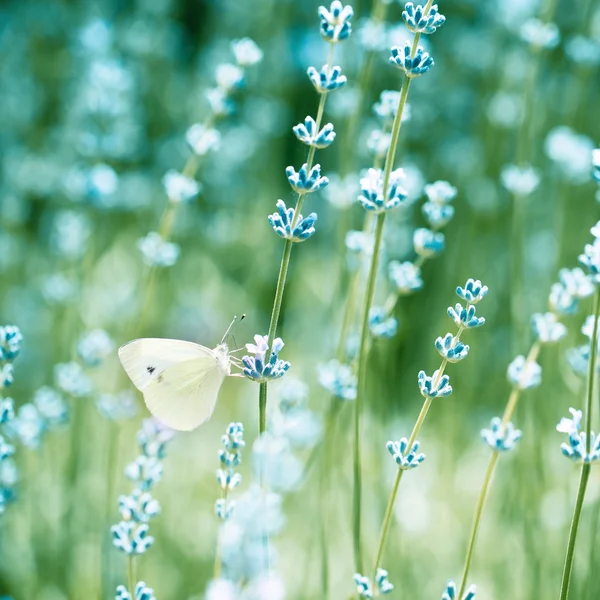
(6, 449)
(11, 340)
(573, 425)
(224, 509)
(382, 581)
(230, 458)
(524, 374)
(418, 22)
(590, 259)
(255, 366)
(153, 437)
(202, 139)
(451, 348)
(434, 386)
(6, 375)
(437, 215)
(180, 188)
(520, 180)
(338, 379)
(131, 537)
(465, 317)
(305, 182)
(117, 407)
(143, 592)
(540, 34)
(406, 277)
(372, 197)
(7, 410)
(387, 107)
(328, 79)
(282, 221)
(229, 77)
(139, 506)
(577, 283)
(157, 252)
(440, 192)
(145, 471)
(451, 591)
(547, 328)
(575, 449)
(51, 406)
(71, 379)
(405, 459)
(335, 22)
(412, 66)
(501, 437)
(28, 426)
(561, 301)
(381, 324)
(308, 133)
(428, 243)
(122, 593)
(94, 346)
(473, 292)
(365, 588)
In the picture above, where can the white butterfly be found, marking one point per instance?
(180, 380)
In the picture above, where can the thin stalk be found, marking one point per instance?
(285, 263)
(218, 557)
(131, 574)
(585, 469)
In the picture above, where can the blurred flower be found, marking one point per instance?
(246, 52)
(406, 277)
(51, 406)
(94, 346)
(180, 188)
(117, 407)
(139, 506)
(571, 152)
(451, 592)
(583, 50)
(412, 66)
(145, 471)
(131, 537)
(70, 234)
(540, 34)
(338, 379)
(524, 374)
(381, 324)
(341, 191)
(590, 259)
(71, 379)
(202, 140)
(11, 341)
(282, 221)
(229, 77)
(387, 107)
(157, 252)
(274, 461)
(520, 181)
(28, 426)
(500, 437)
(428, 243)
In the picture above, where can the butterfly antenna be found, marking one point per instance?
(231, 325)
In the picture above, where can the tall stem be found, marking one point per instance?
(585, 469)
(131, 574)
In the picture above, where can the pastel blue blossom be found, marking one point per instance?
(94, 346)
(229, 77)
(338, 379)
(379, 142)
(451, 348)
(590, 259)
(434, 386)
(224, 508)
(524, 374)
(573, 425)
(473, 292)
(440, 192)
(220, 104)
(595, 230)
(335, 22)
(387, 107)
(157, 252)
(117, 407)
(381, 324)
(359, 242)
(255, 367)
(122, 593)
(547, 328)
(540, 34)
(412, 66)
(71, 379)
(406, 277)
(428, 243)
(142, 592)
(180, 188)
(578, 359)
(305, 182)
(575, 448)
(145, 471)
(230, 458)
(11, 341)
(139, 506)
(328, 79)
(51, 406)
(437, 215)
(153, 437)
(282, 221)
(6, 375)
(418, 22)
(561, 301)
(596, 165)
(7, 410)
(131, 537)
(501, 437)
(28, 426)
(465, 317)
(451, 592)
(308, 133)
(364, 586)
(520, 180)
(405, 458)
(372, 195)
(202, 139)
(577, 283)
(6, 450)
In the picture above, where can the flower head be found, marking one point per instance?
(451, 348)
(283, 219)
(590, 259)
(338, 379)
(428, 243)
(413, 66)
(547, 328)
(246, 52)
(540, 34)
(451, 592)
(335, 22)
(372, 195)
(158, 252)
(11, 341)
(406, 277)
(434, 386)
(202, 139)
(524, 374)
(257, 367)
(180, 188)
(418, 22)
(305, 181)
(308, 133)
(473, 292)
(381, 324)
(501, 437)
(328, 79)
(404, 457)
(465, 317)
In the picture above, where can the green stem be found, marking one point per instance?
(131, 574)
(218, 558)
(477, 520)
(585, 469)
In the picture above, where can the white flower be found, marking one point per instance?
(202, 139)
(520, 181)
(247, 53)
(570, 426)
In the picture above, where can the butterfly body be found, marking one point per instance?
(180, 380)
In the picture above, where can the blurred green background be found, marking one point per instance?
(95, 100)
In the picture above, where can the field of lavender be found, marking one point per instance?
(384, 190)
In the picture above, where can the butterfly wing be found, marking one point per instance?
(147, 358)
(184, 396)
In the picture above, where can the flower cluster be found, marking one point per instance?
(11, 341)
(257, 367)
(501, 437)
(202, 139)
(573, 285)
(451, 592)
(377, 200)
(141, 592)
(575, 448)
(404, 457)
(524, 374)
(227, 476)
(364, 587)
(131, 534)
